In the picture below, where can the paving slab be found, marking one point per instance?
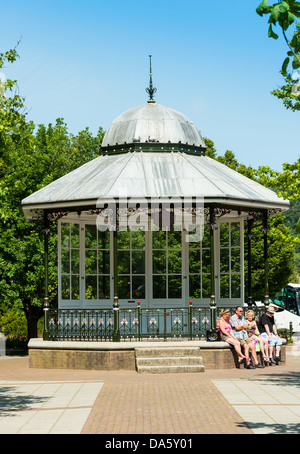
(46, 407)
(266, 407)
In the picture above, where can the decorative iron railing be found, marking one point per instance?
(131, 324)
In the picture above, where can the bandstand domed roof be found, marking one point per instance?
(152, 151)
(152, 123)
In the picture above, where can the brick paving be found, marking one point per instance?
(132, 403)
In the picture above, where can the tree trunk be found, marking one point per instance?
(33, 314)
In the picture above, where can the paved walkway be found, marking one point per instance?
(237, 401)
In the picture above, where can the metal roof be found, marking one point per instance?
(139, 175)
(155, 123)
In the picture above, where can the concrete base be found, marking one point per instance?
(119, 355)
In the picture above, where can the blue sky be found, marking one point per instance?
(87, 61)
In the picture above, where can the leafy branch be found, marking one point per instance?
(284, 13)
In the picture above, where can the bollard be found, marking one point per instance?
(190, 320)
(213, 309)
(116, 332)
(139, 319)
(266, 300)
(46, 319)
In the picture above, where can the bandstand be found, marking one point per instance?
(152, 223)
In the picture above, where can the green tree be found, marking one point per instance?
(30, 158)
(281, 253)
(33, 161)
(283, 241)
(284, 14)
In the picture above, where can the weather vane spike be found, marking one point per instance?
(151, 90)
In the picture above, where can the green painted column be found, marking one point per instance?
(116, 332)
(212, 268)
(249, 258)
(266, 260)
(46, 231)
(115, 260)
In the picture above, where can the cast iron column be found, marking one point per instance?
(266, 262)
(212, 268)
(116, 332)
(249, 236)
(46, 232)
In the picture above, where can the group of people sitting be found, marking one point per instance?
(243, 333)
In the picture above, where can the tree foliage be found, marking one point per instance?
(284, 14)
(33, 160)
(30, 158)
(283, 241)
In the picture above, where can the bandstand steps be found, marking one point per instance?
(168, 360)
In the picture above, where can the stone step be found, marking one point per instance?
(169, 361)
(170, 369)
(166, 351)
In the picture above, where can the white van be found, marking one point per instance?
(288, 303)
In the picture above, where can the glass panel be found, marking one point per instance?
(65, 287)
(74, 261)
(75, 287)
(65, 235)
(104, 287)
(174, 240)
(159, 287)
(124, 287)
(194, 261)
(91, 236)
(138, 239)
(75, 235)
(195, 286)
(65, 261)
(123, 239)
(235, 260)
(91, 287)
(159, 262)
(235, 234)
(138, 262)
(138, 287)
(224, 286)
(174, 286)
(104, 262)
(194, 235)
(123, 262)
(174, 261)
(90, 262)
(235, 286)
(159, 239)
(206, 261)
(224, 260)
(224, 235)
(206, 286)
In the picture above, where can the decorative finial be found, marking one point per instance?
(150, 90)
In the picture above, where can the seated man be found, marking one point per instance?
(268, 330)
(239, 325)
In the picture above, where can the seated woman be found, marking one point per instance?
(227, 334)
(254, 336)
